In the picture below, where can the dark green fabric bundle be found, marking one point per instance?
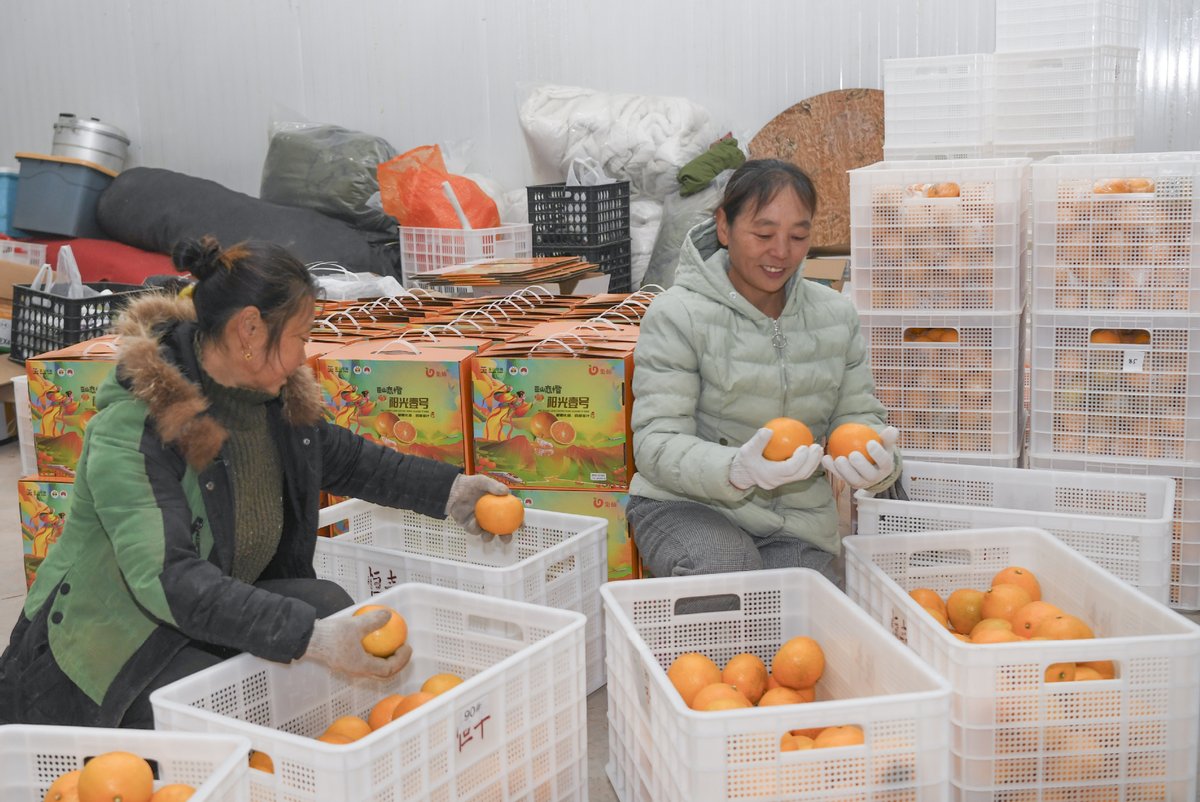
(724, 154)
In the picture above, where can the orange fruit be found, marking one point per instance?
(562, 432)
(541, 422)
(385, 423)
(1105, 336)
(810, 732)
(1086, 672)
(384, 641)
(352, 727)
(962, 637)
(928, 598)
(964, 608)
(500, 515)
(1136, 337)
(1060, 672)
(1063, 627)
(805, 694)
(690, 672)
(411, 703)
(772, 682)
(748, 674)
(116, 777)
(404, 432)
(1003, 601)
(991, 623)
(939, 614)
(1102, 667)
(799, 663)
(780, 696)
(793, 743)
(789, 434)
(718, 691)
(844, 735)
(64, 789)
(850, 437)
(995, 635)
(725, 703)
(261, 761)
(1016, 575)
(1026, 619)
(382, 712)
(175, 792)
(335, 738)
(440, 683)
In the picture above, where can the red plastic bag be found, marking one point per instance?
(410, 187)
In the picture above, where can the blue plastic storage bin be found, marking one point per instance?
(8, 198)
(58, 195)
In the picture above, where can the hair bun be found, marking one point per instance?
(199, 257)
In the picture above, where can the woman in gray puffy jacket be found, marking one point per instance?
(740, 339)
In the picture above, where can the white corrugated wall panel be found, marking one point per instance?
(194, 84)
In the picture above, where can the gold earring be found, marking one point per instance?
(247, 355)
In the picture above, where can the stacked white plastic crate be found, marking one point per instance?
(1116, 337)
(1063, 80)
(939, 286)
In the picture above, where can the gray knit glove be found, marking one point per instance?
(337, 643)
(465, 491)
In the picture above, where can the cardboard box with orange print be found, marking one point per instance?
(62, 399)
(549, 416)
(408, 398)
(43, 503)
(607, 504)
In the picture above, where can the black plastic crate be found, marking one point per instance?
(579, 216)
(613, 259)
(43, 322)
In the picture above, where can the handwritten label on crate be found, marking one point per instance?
(1133, 362)
(899, 626)
(475, 728)
(379, 580)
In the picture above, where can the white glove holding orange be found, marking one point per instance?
(467, 490)
(860, 471)
(751, 469)
(337, 643)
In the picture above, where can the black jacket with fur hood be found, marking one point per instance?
(144, 562)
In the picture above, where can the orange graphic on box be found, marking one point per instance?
(42, 503)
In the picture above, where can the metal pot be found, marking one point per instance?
(90, 140)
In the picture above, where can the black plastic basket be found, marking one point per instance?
(579, 216)
(43, 322)
(613, 259)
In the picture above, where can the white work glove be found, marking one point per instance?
(751, 469)
(337, 643)
(858, 471)
(465, 491)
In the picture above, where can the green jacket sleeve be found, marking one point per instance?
(666, 386)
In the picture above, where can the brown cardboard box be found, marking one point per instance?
(830, 271)
(10, 273)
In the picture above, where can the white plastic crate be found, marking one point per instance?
(1054, 24)
(916, 253)
(1103, 400)
(556, 559)
(938, 100)
(1184, 589)
(33, 757)
(423, 250)
(1045, 150)
(1014, 735)
(24, 424)
(949, 151)
(948, 397)
(660, 750)
(1117, 251)
(1121, 523)
(26, 253)
(1066, 94)
(514, 729)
